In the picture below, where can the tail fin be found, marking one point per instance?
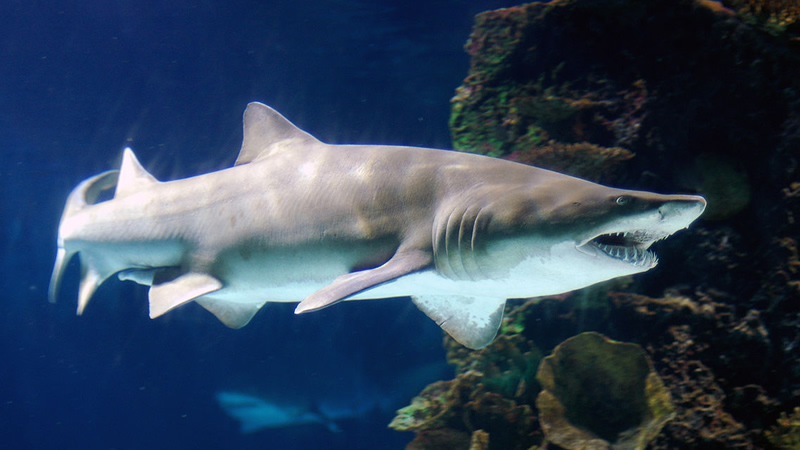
(83, 195)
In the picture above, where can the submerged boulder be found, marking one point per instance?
(598, 393)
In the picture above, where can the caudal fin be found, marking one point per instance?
(85, 194)
(95, 267)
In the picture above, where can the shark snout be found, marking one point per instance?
(681, 210)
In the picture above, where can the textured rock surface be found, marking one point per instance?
(670, 96)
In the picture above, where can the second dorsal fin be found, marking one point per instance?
(132, 176)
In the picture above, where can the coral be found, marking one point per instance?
(686, 335)
(444, 439)
(786, 433)
(582, 159)
(599, 393)
(701, 419)
(774, 16)
(573, 71)
(533, 120)
(479, 440)
(492, 393)
(497, 111)
(432, 409)
(507, 367)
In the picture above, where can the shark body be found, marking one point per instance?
(254, 413)
(296, 219)
(352, 395)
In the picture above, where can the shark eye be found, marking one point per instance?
(623, 200)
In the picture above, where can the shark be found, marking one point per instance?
(352, 395)
(299, 220)
(256, 413)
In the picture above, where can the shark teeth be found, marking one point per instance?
(628, 246)
(640, 257)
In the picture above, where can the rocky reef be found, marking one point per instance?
(777, 17)
(489, 401)
(692, 96)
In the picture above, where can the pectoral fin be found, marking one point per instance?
(472, 321)
(185, 288)
(402, 263)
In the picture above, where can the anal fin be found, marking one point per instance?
(185, 288)
(472, 321)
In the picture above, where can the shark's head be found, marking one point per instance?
(545, 241)
(622, 227)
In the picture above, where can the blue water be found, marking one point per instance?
(79, 81)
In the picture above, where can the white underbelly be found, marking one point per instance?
(293, 275)
(277, 284)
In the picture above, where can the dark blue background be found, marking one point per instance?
(79, 81)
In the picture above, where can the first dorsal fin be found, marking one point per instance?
(132, 176)
(263, 129)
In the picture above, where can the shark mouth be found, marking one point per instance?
(631, 247)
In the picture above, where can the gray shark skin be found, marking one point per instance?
(296, 219)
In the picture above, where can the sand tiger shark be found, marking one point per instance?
(296, 219)
(353, 396)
